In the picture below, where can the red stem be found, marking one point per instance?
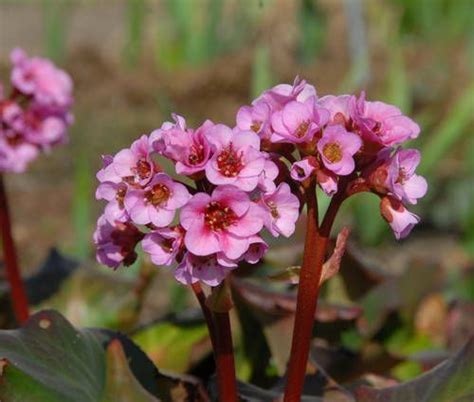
(201, 297)
(218, 325)
(17, 288)
(316, 242)
(226, 379)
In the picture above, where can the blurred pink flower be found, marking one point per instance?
(40, 79)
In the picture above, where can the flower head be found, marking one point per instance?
(281, 210)
(382, 123)
(220, 222)
(237, 159)
(164, 244)
(37, 114)
(402, 180)
(337, 148)
(206, 269)
(278, 96)
(133, 165)
(297, 122)
(116, 242)
(302, 169)
(398, 217)
(40, 79)
(255, 118)
(157, 202)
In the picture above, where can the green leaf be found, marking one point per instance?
(62, 361)
(49, 360)
(452, 380)
(121, 385)
(174, 347)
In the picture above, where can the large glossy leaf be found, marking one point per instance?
(174, 347)
(452, 380)
(49, 360)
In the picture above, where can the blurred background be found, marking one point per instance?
(135, 61)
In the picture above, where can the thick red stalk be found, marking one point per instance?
(17, 288)
(218, 325)
(316, 242)
(225, 366)
(201, 297)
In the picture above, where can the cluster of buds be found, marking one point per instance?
(36, 115)
(241, 181)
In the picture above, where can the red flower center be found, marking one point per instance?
(218, 217)
(158, 195)
(142, 169)
(302, 129)
(196, 155)
(229, 161)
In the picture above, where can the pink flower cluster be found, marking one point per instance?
(243, 180)
(206, 229)
(36, 115)
(342, 140)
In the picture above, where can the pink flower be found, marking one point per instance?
(114, 193)
(327, 180)
(402, 180)
(255, 118)
(115, 243)
(163, 244)
(189, 148)
(133, 165)
(278, 96)
(167, 129)
(221, 222)
(236, 160)
(398, 217)
(297, 122)
(157, 202)
(383, 123)
(15, 153)
(303, 169)
(340, 108)
(257, 249)
(206, 269)
(281, 210)
(270, 172)
(337, 148)
(41, 79)
(43, 127)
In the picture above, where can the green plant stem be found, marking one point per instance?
(316, 243)
(17, 287)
